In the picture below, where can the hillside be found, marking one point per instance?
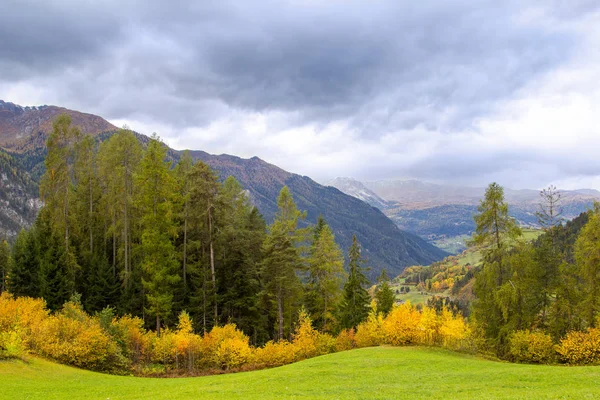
(374, 373)
(384, 244)
(23, 131)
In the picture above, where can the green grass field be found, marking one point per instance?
(372, 373)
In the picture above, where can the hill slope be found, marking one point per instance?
(369, 373)
(384, 244)
(23, 131)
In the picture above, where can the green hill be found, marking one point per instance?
(373, 373)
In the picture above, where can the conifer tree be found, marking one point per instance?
(5, 264)
(25, 270)
(282, 262)
(384, 295)
(326, 274)
(587, 256)
(356, 303)
(159, 264)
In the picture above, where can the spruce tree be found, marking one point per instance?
(384, 295)
(25, 270)
(356, 303)
(282, 262)
(5, 264)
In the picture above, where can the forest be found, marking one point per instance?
(147, 262)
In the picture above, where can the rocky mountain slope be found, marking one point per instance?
(23, 131)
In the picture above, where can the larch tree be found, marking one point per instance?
(203, 200)
(587, 257)
(325, 276)
(495, 231)
(282, 262)
(56, 187)
(159, 264)
(118, 161)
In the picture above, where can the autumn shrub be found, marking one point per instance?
(369, 333)
(273, 354)
(20, 321)
(345, 340)
(186, 344)
(132, 338)
(225, 347)
(580, 347)
(401, 326)
(453, 331)
(72, 337)
(428, 326)
(531, 347)
(163, 347)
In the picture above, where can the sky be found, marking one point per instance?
(457, 92)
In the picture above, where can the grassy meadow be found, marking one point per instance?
(369, 373)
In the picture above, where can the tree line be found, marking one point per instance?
(550, 286)
(124, 228)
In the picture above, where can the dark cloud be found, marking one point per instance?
(382, 67)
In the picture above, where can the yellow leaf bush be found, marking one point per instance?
(531, 347)
(580, 347)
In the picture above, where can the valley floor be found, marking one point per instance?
(370, 373)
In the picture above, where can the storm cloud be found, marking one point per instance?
(447, 91)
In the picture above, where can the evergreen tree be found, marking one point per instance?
(5, 264)
(384, 295)
(587, 256)
(182, 171)
(495, 230)
(282, 262)
(356, 303)
(241, 235)
(326, 273)
(203, 202)
(25, 271)
(118, 161)
(159, 263)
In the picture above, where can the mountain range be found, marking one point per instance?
(439, 213)
(23, 132)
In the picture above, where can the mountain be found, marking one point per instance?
(356, 189)
(23, 131)
(443, 214)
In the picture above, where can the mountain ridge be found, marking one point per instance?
(385, 245)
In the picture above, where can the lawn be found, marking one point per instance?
(372, 373)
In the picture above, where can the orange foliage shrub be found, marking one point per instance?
(72, 337)
(133, 339)
(345, 340)
(532, 347)
(370, 333)
(274, 354)
(225, 347)
(401, 327)
(581, 347)
(20, 320)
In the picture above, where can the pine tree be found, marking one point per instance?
(326, 274)
(282, 262)
(384, 295)
(159, 263)
(182, 171)
(356, 303)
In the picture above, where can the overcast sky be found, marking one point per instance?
(461, 92)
